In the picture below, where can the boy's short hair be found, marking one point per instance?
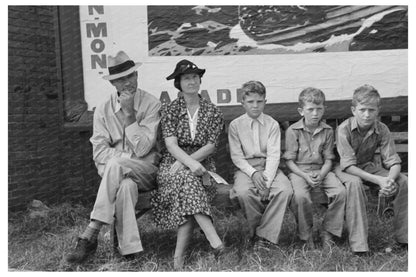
(253, 87)
(365, 94)
(311, 95)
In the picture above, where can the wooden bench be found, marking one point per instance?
(222, 200)
(385, 204)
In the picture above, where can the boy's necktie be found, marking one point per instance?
(256, 135)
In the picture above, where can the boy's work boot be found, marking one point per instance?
(83, 249)
(263, 244)
(309, 243)
(327, 242)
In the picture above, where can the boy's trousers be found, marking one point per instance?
(356, 210)
(117, 195)
(302, 205)
(264, 218)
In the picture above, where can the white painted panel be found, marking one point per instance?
(284, 75)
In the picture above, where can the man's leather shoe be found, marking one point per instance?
(132, 256)
(81, 252)
(362, 253)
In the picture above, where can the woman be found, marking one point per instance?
(190, 129)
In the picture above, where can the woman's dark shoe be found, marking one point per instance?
(81, 252)
(178, 263)
(219, 251)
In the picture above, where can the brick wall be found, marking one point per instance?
(45, 160)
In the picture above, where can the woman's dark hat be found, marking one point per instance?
(184, 67)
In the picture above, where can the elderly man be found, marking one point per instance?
(124, 139)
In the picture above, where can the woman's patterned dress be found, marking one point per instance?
(182, 194)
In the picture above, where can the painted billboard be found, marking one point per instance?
(335, 48)
(257, 30)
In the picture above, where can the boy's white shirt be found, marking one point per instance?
(243, 144)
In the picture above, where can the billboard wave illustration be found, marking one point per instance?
(242, 30)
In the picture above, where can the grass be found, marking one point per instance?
(40, 244)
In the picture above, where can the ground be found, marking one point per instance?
(39, 244)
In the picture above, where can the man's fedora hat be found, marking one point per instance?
(184, 67)
(120, 65)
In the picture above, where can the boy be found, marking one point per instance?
(262, 190)
(309, 154)
(357, 140)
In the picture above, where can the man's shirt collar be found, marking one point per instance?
(260, 119)
(301, 125)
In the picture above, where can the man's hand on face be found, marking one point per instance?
(126, 101)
